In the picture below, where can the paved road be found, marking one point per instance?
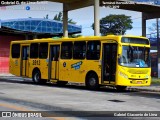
(17, 94)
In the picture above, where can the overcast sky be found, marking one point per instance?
(83, 17)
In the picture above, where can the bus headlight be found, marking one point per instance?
(123, 75)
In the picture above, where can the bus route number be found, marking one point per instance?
(36, 62)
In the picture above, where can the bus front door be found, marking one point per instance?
(24, 59)
(53, 72)
(109, 62)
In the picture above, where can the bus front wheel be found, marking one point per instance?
(92, 82)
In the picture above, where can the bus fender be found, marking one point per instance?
(35, 69)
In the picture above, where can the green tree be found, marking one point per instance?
(46, 17)
(71, 21)
(59, 17)
(115, 24)
(75, 36)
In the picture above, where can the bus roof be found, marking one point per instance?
(81, 38)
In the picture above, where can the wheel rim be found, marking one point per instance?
(92, 82)
(36, 77)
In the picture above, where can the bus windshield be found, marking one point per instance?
(134, 56)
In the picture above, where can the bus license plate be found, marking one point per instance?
(139, 82)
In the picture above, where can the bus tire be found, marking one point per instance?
(62, 83)
(36, 77)
(92, 82)
(121, 88)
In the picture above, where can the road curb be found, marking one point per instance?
(152, 88)
(145, 89)
(6, 75)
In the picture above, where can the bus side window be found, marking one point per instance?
(79, 50)
(34, 50)
(93, 50)
(15, 51)
(66, 50)
(43, 50)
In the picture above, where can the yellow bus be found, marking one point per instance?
(112, 60)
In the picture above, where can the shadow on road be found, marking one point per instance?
(27, 81)
(129, 91)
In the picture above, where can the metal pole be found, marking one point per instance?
(96, 18)
(65, 21)
(143, 25)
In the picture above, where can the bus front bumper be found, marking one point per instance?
(122, 81)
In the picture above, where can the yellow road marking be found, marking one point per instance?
(13, 107)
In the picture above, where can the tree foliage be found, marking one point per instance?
(59, 17)
(115, 24)
(46, 17)
(75, 35)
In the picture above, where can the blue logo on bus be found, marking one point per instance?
(77, 65)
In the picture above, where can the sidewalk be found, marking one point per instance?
(6, 75)
(152, 88)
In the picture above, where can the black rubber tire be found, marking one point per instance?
(62, 83)
(121, 88)
(92, 82)
(36, 77)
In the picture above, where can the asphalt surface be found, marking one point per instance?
(76, 102)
